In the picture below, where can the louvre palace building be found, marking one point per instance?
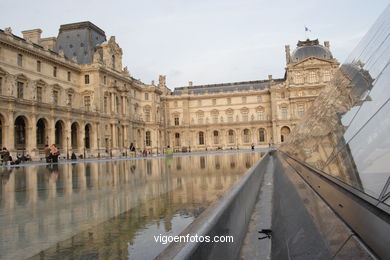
(73, 90)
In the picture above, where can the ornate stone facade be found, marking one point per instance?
(73, 91)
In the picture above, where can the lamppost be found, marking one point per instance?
(84, 148)
(67, 148)
(98, 147)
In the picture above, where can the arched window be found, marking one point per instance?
(41, 133)
(148, 140)
(246, 135)
(20, 133)
(59, 133)
(261, 135)
(216, 137)
(284, 132)
(201, 138)
(231, 136)
(74, 135)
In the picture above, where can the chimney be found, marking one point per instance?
(326, 44)
(190, 83)
(270, 77)
(32, 35)
(288, 55)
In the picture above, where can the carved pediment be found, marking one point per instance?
(311, 61)
(40, 82)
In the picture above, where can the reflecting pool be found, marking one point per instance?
(109, 209)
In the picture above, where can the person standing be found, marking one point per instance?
(47, 153)
(54, 153)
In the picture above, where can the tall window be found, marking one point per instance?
(147, 115)
(117, 104)
(262, 135)
(177, 139)
(301, 110)
(87, 103)
(312, 77)
(86, 79)
(38, 66)
(69, 100)
(284, 113)
(216, 137)
(39, 93)
(231, 136)
(105, 105)
(176, 120)
(54, 71)
(148, 139)
(201, 138)
(20, 60)
(326, 75)
(146, 96)
(246, 135)
(69, 76)
(261, 115)
(20, 86)
(113, 62)
(55, 97)
(104, 80)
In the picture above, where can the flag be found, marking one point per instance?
(307, 29)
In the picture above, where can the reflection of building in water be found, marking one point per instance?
(320, 140)
(73, 91)
(40, 204)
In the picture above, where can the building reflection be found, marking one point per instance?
(331, 137)
(44, 205)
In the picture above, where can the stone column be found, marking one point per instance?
(114, 136)
(31, 145)
(51, 132)
(9, 139)
(68, 138)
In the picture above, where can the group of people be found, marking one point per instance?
(6, 158)
(51, 153)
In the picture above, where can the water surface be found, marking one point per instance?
(109, 209)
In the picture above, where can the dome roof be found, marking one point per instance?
(308, 49)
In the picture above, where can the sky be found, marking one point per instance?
(204, 41)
